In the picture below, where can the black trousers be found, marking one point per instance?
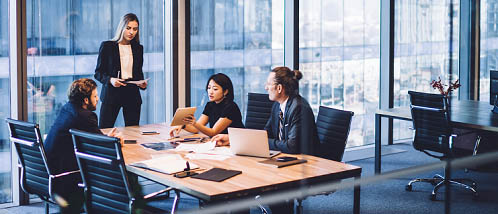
(109, 112)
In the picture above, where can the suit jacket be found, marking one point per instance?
(108, 65)
(299, 132)
(59, 143)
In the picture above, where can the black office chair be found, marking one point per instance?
(493, 86)
(333, 127)
(433, 133)
(258, 110)
(105, 179)
(36, 177)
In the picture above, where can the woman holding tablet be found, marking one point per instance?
(220, 112)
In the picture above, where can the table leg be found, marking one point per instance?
(175, 202)
(356, 202)
(390, 132)
(377, 143)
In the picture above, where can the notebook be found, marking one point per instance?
(217, 174)
(278, 164)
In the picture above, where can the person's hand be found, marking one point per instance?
(221, 140)
(190, 119)
(116, 82)
(116, 134)
(175, 130)
(143, 85)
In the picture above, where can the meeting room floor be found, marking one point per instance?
(388, 196)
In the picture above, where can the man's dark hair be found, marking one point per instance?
(225, 83)
(288, 78)
(81, 89)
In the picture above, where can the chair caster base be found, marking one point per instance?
(475, 197)
(433, 197)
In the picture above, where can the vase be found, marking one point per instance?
(448, 99)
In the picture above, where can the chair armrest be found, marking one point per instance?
(65, 173)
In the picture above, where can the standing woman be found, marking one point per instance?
(220, 112)
(121, 59)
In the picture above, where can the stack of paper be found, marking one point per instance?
(197, 147)
(168, 164)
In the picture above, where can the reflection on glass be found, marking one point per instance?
(63, 41)
(489, 44)
(421, 50)
(5, 155)
(242, 39)
(339, 58)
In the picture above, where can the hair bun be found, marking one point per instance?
(298, 75)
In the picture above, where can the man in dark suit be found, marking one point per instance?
(291, 126)
(292, 123)
(75, 114)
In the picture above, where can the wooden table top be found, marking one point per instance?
(255, 178)
(463, 114)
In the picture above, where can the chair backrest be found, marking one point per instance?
(333, 127)
(35, 175)
(431, 122)
(103, 172)
(493, 86)
(258, 110)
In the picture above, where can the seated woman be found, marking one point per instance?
(221, 111)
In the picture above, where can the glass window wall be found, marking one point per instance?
(63, 40)
(489, 44)
(5, 154)
(421, 50)
(339, 57)
(240, 38)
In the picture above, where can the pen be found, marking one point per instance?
(186, 140)
(192, 138)
(118, 73)
(188, 167)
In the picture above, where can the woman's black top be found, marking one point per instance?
(225, 109)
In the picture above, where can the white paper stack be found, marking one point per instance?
(168, 164)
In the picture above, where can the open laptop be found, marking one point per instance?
(250, 142)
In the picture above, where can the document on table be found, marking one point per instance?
(196, 147)
(196, 156)
(168, 164)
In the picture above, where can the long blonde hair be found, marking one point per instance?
(118, 36)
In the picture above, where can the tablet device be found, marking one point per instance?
(180, 114)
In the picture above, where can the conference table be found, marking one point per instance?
(256, 179)
(465, 114)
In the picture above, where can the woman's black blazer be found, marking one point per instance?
(108, 65)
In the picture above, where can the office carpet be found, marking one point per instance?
(387, 196)
(368, 152)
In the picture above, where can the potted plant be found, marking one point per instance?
(444, 89)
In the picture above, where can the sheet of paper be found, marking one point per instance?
(220, 151)
(137, 82)
(196, 147)
(168, 164)
(196, 156)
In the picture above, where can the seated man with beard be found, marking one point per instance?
(75, 114)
